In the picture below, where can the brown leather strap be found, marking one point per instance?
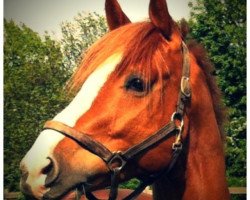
(110, 158)
(151, 141)
(186, 63)
(185, 90)
(104, 153)
(81, 138)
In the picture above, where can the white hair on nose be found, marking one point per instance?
(36, 158)
(90, 89)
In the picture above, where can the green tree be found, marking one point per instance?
(221, 26)
(80, 34)
(35, 72)
(34, 78)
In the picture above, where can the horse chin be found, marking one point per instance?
(74, 192)
(79, 192)
(69, 194)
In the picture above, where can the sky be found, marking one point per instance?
(47, 15)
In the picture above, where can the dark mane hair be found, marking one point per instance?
(138, 42)
(204, 62)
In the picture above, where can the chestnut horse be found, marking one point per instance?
(146, 107)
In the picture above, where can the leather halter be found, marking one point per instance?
(116, 161)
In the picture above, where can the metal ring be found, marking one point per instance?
(178, 116)
(177, 146)
(118, 160)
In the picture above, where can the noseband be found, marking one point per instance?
(116, 161)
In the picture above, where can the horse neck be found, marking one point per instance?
(200, 171)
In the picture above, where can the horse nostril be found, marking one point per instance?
(51, 170)
(48, 168)
(24, 171)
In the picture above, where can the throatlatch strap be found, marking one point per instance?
(137, 191)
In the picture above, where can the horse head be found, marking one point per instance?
(132, 86)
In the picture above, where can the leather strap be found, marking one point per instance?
(117, 157)
(185, 92)
(151, 141)
(100, 150)
(84, 140)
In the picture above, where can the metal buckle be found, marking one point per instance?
(177, 116)
(116, 162)
(177, 146)
(185, 86)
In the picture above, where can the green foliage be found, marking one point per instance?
(238, 197)
(131, 184)
(80, 34)
(221, 27)
(33, 83)
(35, 72)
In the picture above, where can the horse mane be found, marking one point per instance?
(138, 42)
(208, 68)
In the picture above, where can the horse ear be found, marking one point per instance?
(160, 17)
(115, 16)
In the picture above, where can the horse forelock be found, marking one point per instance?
(143, 50)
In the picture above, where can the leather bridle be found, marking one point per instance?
(116, 161)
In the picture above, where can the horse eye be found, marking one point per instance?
(135, 84)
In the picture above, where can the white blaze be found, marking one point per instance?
(84, 99)
(36, 159)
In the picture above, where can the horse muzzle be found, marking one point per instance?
(34, 183)
(54, 180)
